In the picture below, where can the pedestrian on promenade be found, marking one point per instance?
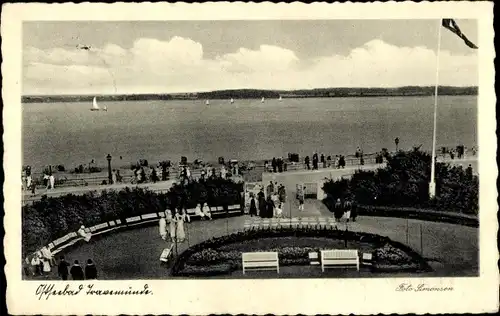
(469, 172)
(269, 207)
(307, 162)
(154, 175)
(171, 223)
(253, 206)
(301, 202)
(338, 210)
(323, 161)
(329, 161)
(62, 268)
(113, 177)
(347, 209)
(262, 202)
(341, 162)
(273, 164)
(90, 270)
(315, 161)
(162, 223)
(77, 272)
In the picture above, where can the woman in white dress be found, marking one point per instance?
(163, 227)
(52, 181)
(180, 218)
(206, 211)
(171, 223)
(198, 212)
(278, 210)
(46, 266)
(86, 236)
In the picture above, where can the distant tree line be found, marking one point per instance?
(257, 94)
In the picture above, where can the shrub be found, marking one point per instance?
(51, 218)
(405, 182)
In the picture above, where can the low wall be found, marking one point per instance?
(421, 214)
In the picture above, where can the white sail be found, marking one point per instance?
(232, 101)
(105, 108)
(280, 98)
(207, 102)
(262, 100)
(95, 107)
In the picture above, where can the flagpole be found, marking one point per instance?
(432, 184)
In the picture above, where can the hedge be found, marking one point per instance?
(211, 262)
(51, 218)
(404, 182)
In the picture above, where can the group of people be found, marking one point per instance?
(42, 262)
(277, 165)
(326, 162)
(269, 207)
(344, 209)
(77, 272)
(171, 226)
(460, 151)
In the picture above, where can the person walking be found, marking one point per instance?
(262, 202)
(253, 206)
(347, 209)
(90, 270)
(308, 163)
(76, 271)
(338, 210)
(269, 207)
(162, 223)
(169, 218)
(62, 268)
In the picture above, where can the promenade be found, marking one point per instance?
(296, 174)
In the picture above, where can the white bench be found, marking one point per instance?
(260, 261)
(339, 257)
(166, 253)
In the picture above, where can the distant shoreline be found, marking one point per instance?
(269, 94)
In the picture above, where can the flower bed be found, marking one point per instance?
(223, 255)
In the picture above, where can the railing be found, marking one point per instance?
(90, 179)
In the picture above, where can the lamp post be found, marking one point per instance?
(110, 178)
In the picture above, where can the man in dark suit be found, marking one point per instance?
(62, 269)
(76, 271)
(90, 270)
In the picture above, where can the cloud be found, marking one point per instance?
(178, 65)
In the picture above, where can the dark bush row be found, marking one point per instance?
(405, 182)
(186, 263)
(51, 218)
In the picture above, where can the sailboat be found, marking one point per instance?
(262, 101)
(207, 102)
(105, 108)
(280, 98)
(95, 107)
(232, 100)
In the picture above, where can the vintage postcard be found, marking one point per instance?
(249, 158)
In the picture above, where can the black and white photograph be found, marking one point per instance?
(233, 150)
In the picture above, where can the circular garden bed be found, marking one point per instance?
(222, 255)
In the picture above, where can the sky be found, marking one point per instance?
(190, 56)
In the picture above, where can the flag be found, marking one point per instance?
(451, 25)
